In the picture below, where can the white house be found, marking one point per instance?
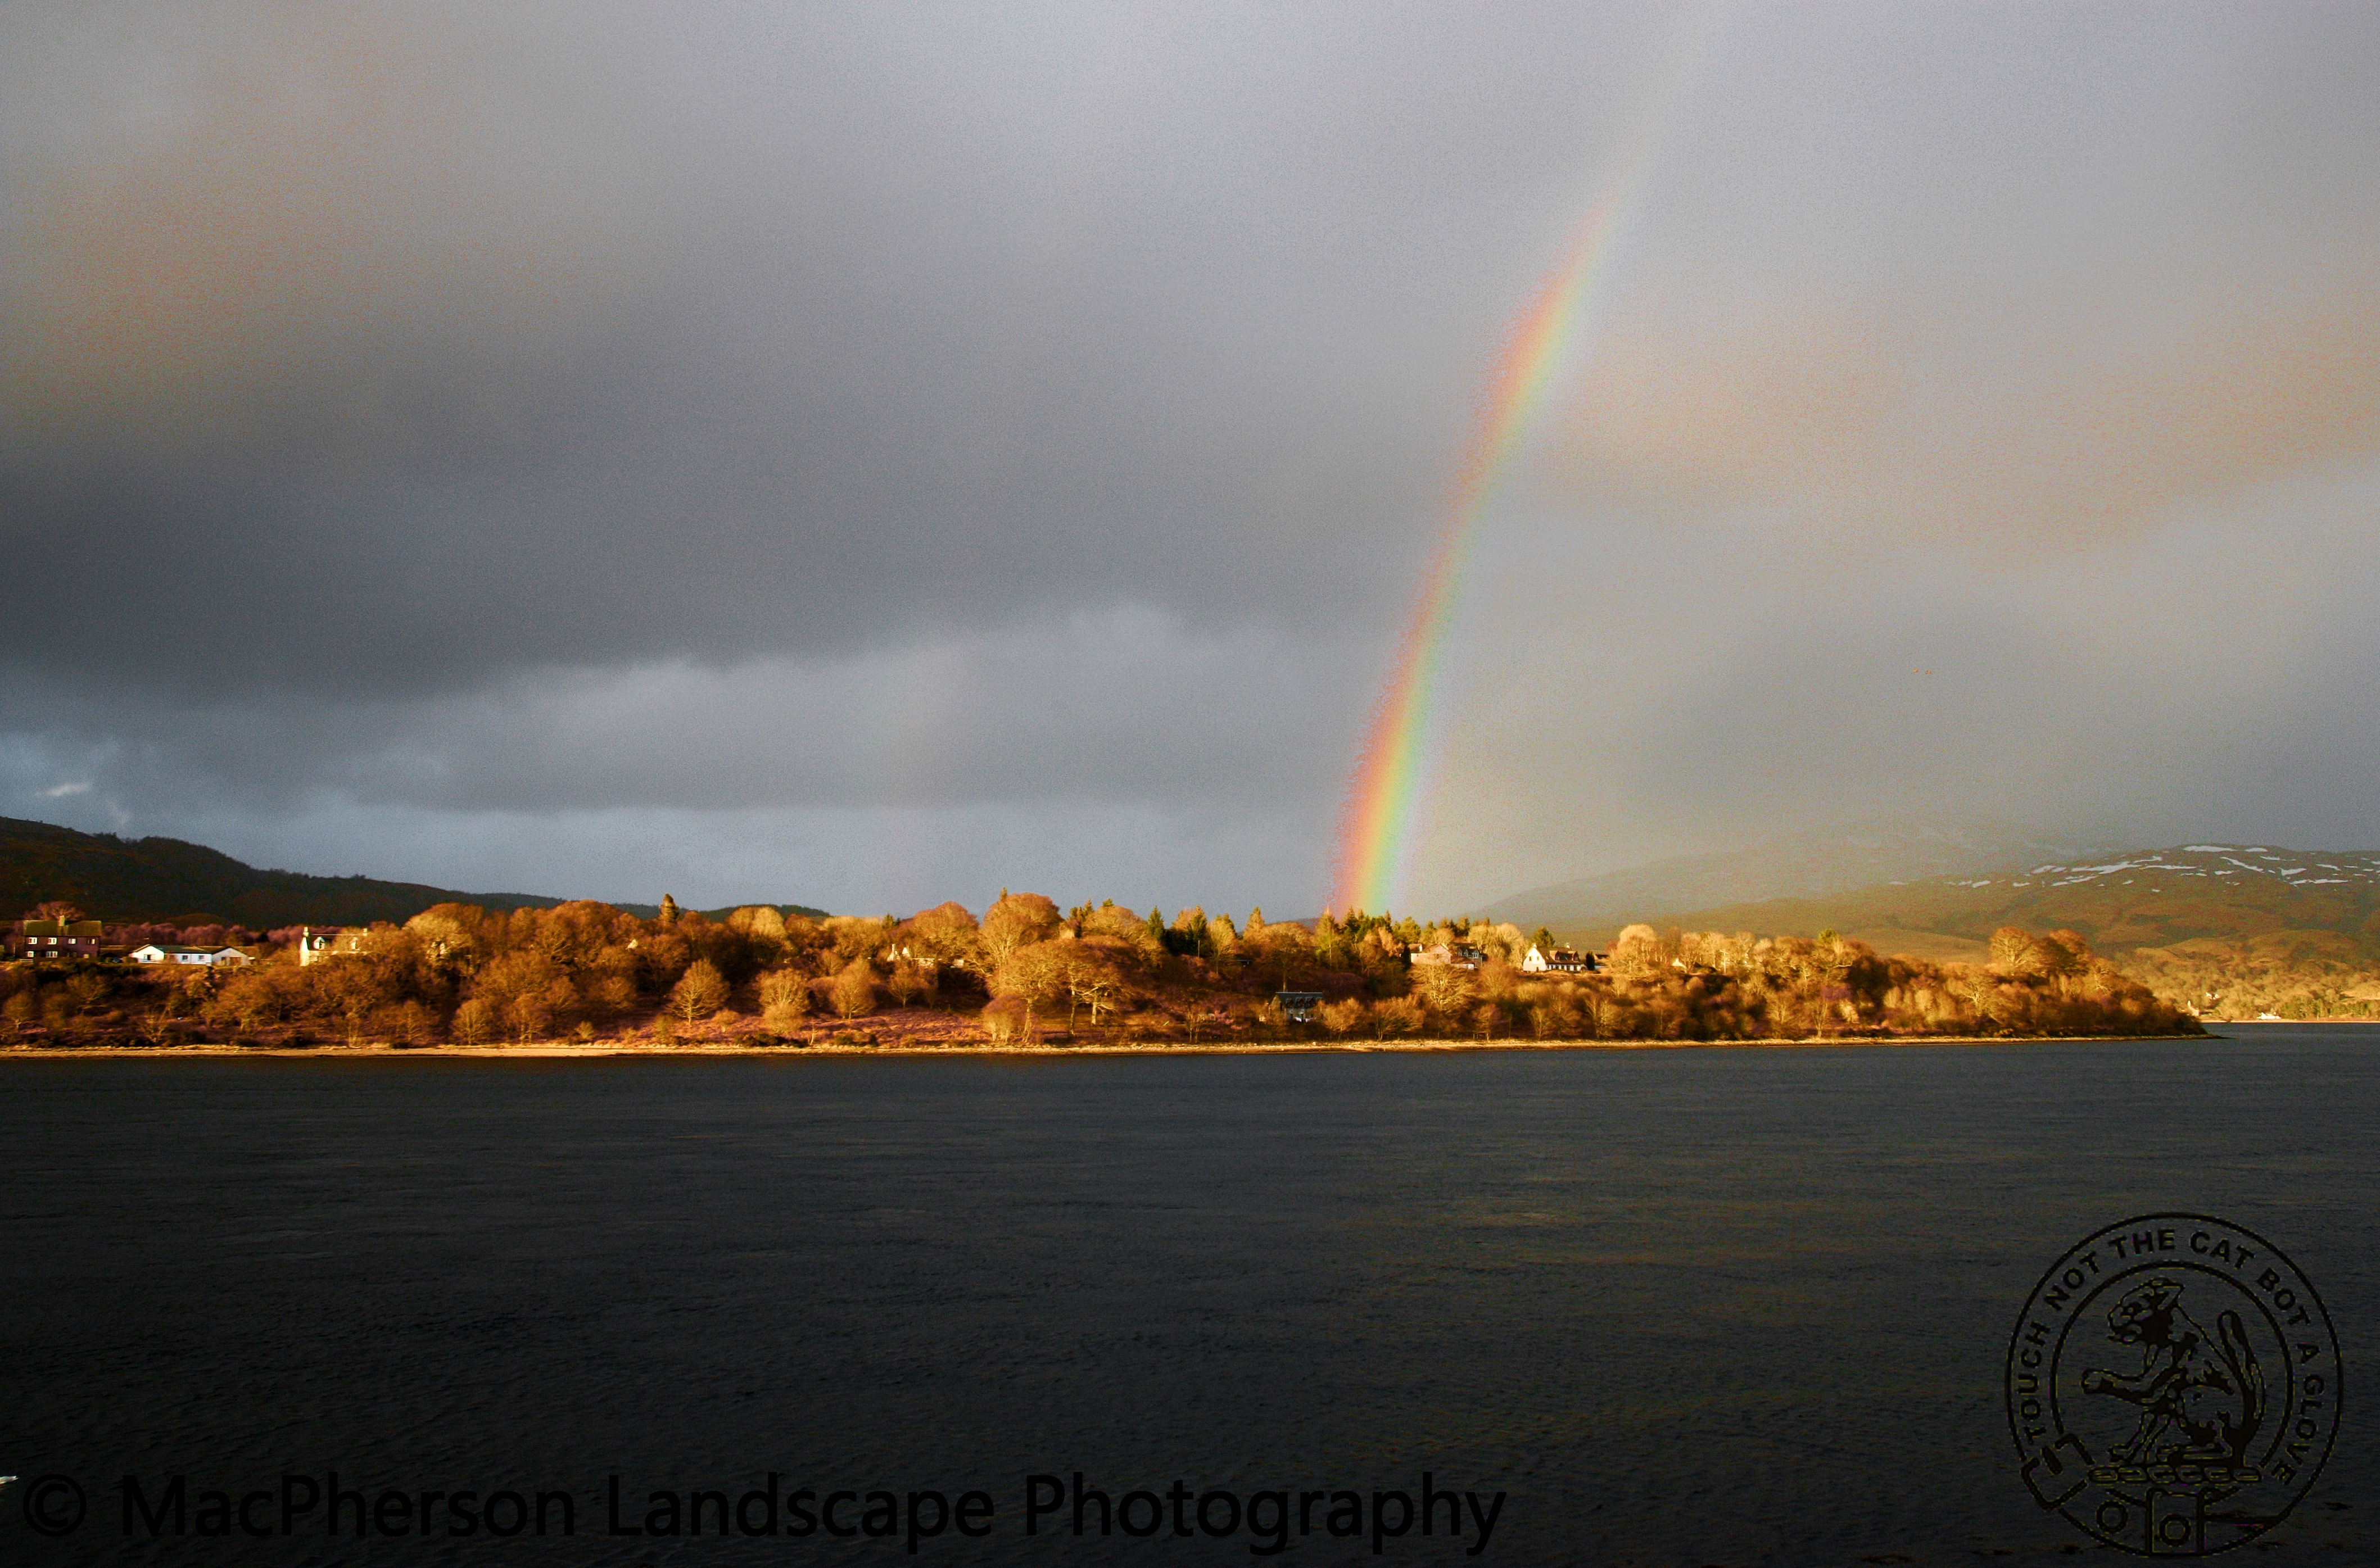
(208, 957)
(1560, 961)
(328, 941)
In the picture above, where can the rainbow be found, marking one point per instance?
(1550, 333)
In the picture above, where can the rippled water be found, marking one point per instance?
(1683, 1307)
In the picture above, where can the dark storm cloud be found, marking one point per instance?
(808, 334)
(874, 442)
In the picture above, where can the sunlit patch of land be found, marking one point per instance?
(1028, 976)
(2225, 930)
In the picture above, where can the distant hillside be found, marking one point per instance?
(164, 878)
(122, 879)
(2228, 893)
(1811, 865)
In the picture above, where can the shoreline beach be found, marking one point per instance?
(568, 1049)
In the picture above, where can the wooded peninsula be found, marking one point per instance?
(1030, 975)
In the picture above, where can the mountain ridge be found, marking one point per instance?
(1812, 864)
(2125, 903)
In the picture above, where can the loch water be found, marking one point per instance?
(1690, 1307)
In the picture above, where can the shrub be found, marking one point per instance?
(1003, 1019)
(1343, 1018)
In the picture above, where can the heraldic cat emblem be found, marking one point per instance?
(2202, 1397)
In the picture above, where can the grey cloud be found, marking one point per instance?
(866, 426)
(1012, 716)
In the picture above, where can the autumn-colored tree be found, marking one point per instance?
(2064, 956)
(1094, 974)
(909, 982)
(944, 935)
(1977, 988)
(1036, 975)
(765, 920)
(249, 1000)
(853, 937)
(449, 934)
(784, 998)
(852, 992)
(612, 992)
(1344, 1018)
(1637, 954)
(529, 1014)
(1192, 933)
(475, 1021)
(1399, 1015)
(2015, 952)
(1557, 1016)
(1019, 920)
(1444, 989)
(700, 992)
(1131, 940)
(520, 971)
(1381, 953)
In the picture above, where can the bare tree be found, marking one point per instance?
(700, 992)
(475, 1021)
(784, 998)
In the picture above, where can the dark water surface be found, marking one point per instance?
(1684, 1306)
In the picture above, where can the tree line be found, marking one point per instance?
(1028, 970)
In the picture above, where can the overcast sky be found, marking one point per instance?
(866, 454)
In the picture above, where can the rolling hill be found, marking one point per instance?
(2150, 899)
(165, 878)
(122, 879)
(1817, 864)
